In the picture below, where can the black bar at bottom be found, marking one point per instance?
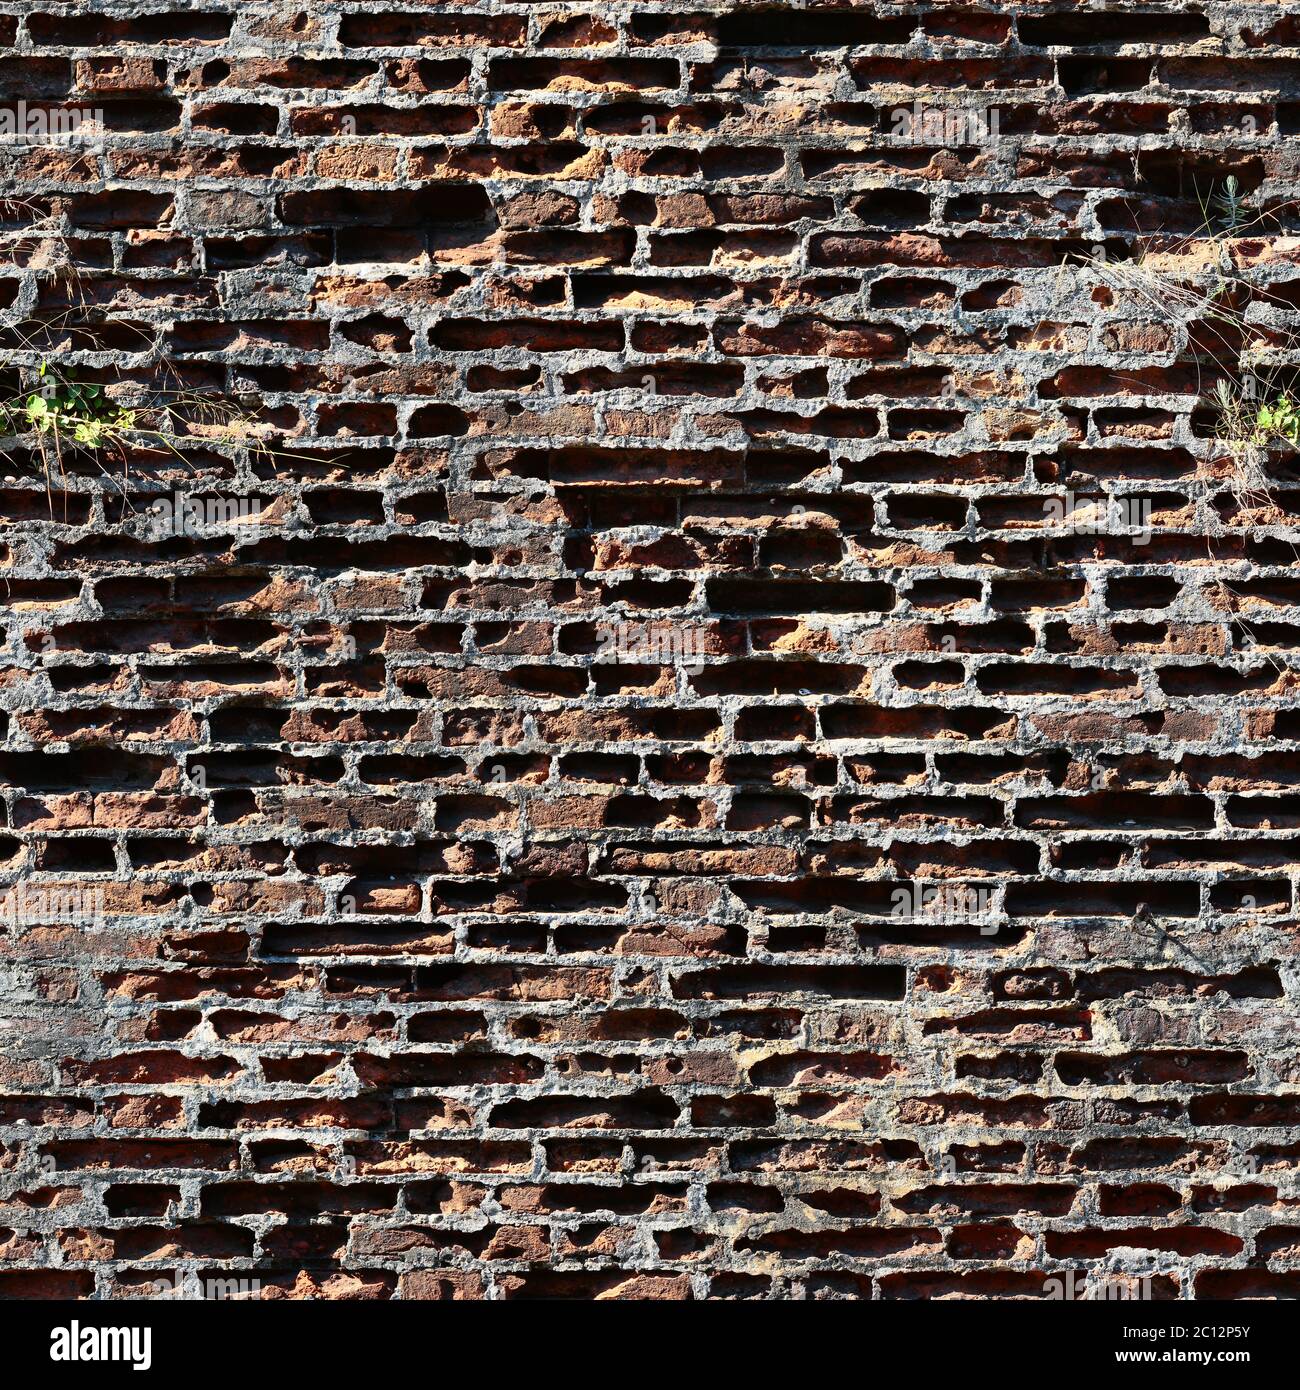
(269, 1339)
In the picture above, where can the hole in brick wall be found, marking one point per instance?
(1066, 29)
(1192, 174)
(689, 768)
(600, 767)
(90, 30)
(243, 118)
(442, 203)
(781, 28)
(891, 207)
(1103, 75)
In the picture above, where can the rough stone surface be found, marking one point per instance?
(496, 842)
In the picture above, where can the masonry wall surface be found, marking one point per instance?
(653, 770)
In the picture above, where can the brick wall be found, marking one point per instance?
(728, 729)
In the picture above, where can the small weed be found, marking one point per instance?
(1280, 421)
(1228, 208)
(77, 410)
(1245, 423)
(1197, 285)
(58, 415)
(1248, 429)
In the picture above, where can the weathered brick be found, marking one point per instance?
(696, 699)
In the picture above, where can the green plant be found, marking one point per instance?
(78, 411)
(1229, 208)
(1281, 420)
(65, 420)
(1244, 424)
(57, 415)
(1205, 288)
(71, 412)
(1246, 430)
